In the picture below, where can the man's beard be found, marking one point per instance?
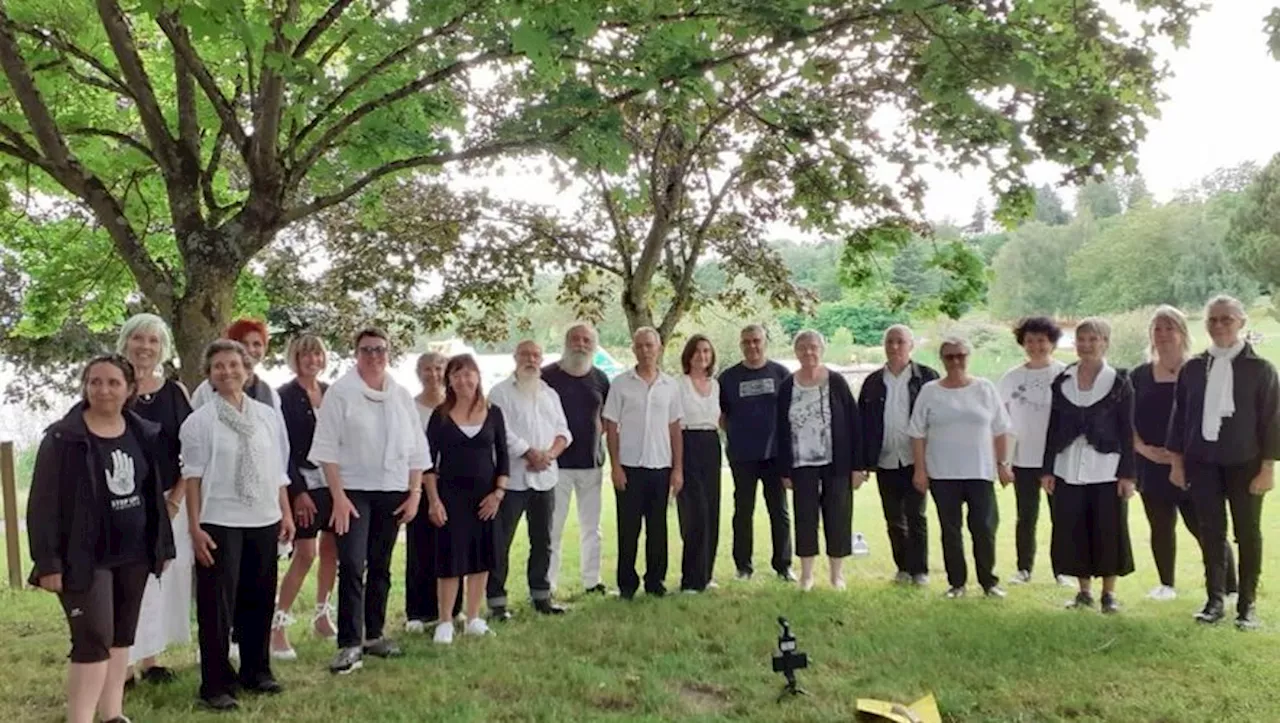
(575, 362)
(528, 381)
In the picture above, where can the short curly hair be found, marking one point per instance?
(240, 328)
(1037, 325)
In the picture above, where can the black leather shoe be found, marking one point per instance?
(159, 674)
(597, 590)
(499, 614)
(546, 607)
(1212, 613)
(656, 592)
(1110, 605)
(785, 576)
(1247, 618)
(1082, 601)
(269, 686)
(220, 703)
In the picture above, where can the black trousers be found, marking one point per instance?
(420, 591)
(1214, 488)
(699, 507)
(106, 613)
(540, 508)
(1091, 530)
(1163, 502)
(238, 590)
(745, 476)
(820, 492)
(643, 502)
(364, 566)
(905, 518)
(1026, 488)
(951, 496)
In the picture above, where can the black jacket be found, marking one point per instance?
(871, 401)
(1249, 435)
(846, 439)
(65, 507)
(300, 424)
(1107, 424)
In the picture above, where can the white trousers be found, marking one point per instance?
(587, 483)
(165, 618)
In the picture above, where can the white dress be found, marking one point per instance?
(165, 617)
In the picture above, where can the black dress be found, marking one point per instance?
(167, 406)
(466, 468)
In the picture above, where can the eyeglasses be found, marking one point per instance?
(954, 357)
(373, 350)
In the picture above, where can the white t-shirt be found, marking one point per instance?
(356, 432)
(1028, 396)
(643, 413)
(958, 426)
(1080, 463)
(699, 412)
(210, 451)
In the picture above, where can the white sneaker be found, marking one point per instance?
(477, 626)
(712, 585)
(1163, 593)
(444, 634)
(1021, 577)
(415, 626)
(1067, 581)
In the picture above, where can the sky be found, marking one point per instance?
(1223, 108)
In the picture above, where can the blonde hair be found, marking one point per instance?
(1174, 316)
(146, 322)
(303, 344)
(1096, 325)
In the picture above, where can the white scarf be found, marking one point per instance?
(248, 482)
(1219, 392)
(400, 425)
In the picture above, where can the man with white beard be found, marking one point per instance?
(582, 389)
(537, 433)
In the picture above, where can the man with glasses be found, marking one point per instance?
(748, 405)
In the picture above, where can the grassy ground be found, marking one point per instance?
(707, 657)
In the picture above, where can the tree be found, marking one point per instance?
(1100, 199)
(1049, 207)
(1136, 195)
(1031, 271)
(978, 222)
(1253, 239)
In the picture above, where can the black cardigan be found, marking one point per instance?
(845, 434)
(300, 424)
(1249, 435)
(1107, 424)
(65, 507)
(871, 399)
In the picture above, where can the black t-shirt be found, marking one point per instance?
(1152, 405)
(749, 402)
(123, 538)
(582, 398)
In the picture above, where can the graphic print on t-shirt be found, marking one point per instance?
(121, 481)
(766, 386)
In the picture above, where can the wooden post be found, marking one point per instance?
(8, 482)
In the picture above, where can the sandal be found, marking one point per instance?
(324, 612)
(281, 621)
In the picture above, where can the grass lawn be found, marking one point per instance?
(707, 657)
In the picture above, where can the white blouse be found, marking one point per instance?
(533, 422)
(958, 426)
(699, 412)
(1080, 463)
(210, 451)
(374, 443)
(1028, 396)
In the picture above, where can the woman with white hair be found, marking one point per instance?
(818, 457)
(1224, 438)
(1153, 386)
(959, 429)
(1089, 468)
(165, 618)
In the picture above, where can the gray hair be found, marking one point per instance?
(431, 357)
(146, 322)
(219, 346)
(595, 336)
(1095, 325)
(754, 329)
(956, 341)
(303, 344)
(1174, 316)
(1236, 306)
(647, 330)
(809, 335)
(906, 331)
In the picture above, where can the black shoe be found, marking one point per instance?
(546, 607)
(266, 686)
(599, 589)
(627, 594)
(1110, 605)
(130, 683)
(656, 592)
(220, 703)
(159, 674)
(382, 648)
(1247, 618)
(1082, 601)
(785, 576)
(1212, 613)
(499, 614)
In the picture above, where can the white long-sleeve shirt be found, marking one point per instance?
(533, 422)
(1080, 463)
(210, 452)
(355, 432)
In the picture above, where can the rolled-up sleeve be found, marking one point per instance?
(327, 441)
(196, 445)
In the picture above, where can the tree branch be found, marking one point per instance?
(124, 138)
(319, 27)
(113, 83)
(226, 112)
(270, 101)
(626, 244)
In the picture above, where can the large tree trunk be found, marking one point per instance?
(199, 317)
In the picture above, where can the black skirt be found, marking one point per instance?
(466, 544)
(1091, 530)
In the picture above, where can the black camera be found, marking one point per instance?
(788, 659)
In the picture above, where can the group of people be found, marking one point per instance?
(140, 486)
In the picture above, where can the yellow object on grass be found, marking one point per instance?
(924, 710)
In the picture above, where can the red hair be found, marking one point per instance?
(240, 328)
